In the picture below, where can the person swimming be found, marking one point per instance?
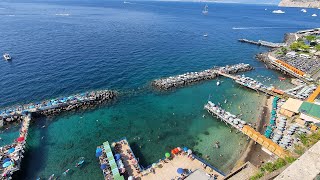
(66, 172)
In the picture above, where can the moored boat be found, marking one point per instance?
(6, 56)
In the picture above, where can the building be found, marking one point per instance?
(291, 107)
(310, 112)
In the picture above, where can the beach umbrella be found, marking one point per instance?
(6, 164)
(19, 139)
(98, 154)
(130, 178)
(11, 150)
(103, 166)
(117, 157)
(167, 155)
(98, 150)
(154, 165)
(180, 171)
(6, 160)
(189, 151)
(185, 149)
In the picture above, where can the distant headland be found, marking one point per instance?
(300, 3)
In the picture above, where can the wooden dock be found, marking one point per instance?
(13, 153)
(247, 130)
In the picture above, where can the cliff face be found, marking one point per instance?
(300, 3)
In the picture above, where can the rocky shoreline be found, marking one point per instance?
(301, 3)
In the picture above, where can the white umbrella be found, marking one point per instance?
(189, 151)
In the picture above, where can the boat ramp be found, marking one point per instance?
(242, 126)
(12, 154)
(263, 43)
(57, 105)
(192, 77)
(119, 162)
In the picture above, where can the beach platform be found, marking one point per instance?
(179, 164)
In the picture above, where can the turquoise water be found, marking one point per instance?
(123, 47)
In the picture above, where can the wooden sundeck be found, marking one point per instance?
(169, 170)
(165, 169)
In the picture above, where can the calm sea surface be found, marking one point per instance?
(64, 48)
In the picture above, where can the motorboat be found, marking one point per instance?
(205, 35)
(314, 15)
(6, 56)
(80, 162)
(278, 12)
(303, 10)
(218, 83)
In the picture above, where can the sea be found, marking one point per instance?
(61, 48)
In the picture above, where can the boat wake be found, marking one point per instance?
(63, 14)
(244, 28)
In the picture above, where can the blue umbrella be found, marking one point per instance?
(185, 149)
(103, 166)
(6, 164)
(180, 171)
(98, 150)
(117, 157)
(6, 160)
(98, 154)
(11, 150)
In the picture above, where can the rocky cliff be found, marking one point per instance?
(300, 3)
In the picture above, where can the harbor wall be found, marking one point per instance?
(56, 106)
(193, 77)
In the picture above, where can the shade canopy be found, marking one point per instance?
(117, 157)
(103, 166)
(185, 149)
(19, 139)
(180, 171)
(154, 165)
(6, 164)
(98, 154)
(11, 150)
(6, 160)
(189, 151)
(130, 178)
(167, 155)
(98, 150)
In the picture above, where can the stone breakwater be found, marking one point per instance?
(57, 105)
(193, 77)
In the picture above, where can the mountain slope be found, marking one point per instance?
(300, 3)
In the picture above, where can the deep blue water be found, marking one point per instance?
(112, 45)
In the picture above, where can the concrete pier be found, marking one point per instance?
(57, 105)
(192, 77)
(263, 43)
(13, 153)
(225, 116)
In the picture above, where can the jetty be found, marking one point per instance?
(192, 77)
(12, 154)
(242, 126)
(263, 43)
(225, 116)
(181, 163)
(255, 85)
(56, 105)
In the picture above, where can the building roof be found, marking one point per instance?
(306, 167)
(310, 109)
(292, 105)
(198, 175)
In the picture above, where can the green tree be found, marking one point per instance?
(317, 47)
(310, 38)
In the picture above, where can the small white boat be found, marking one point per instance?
(265, 9)
(6, 56)
(314, 15)
(278, 12)
(303, 10)
(218, 83)
(205, 10)
(205, 35)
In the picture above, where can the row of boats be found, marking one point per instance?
(282, 12)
